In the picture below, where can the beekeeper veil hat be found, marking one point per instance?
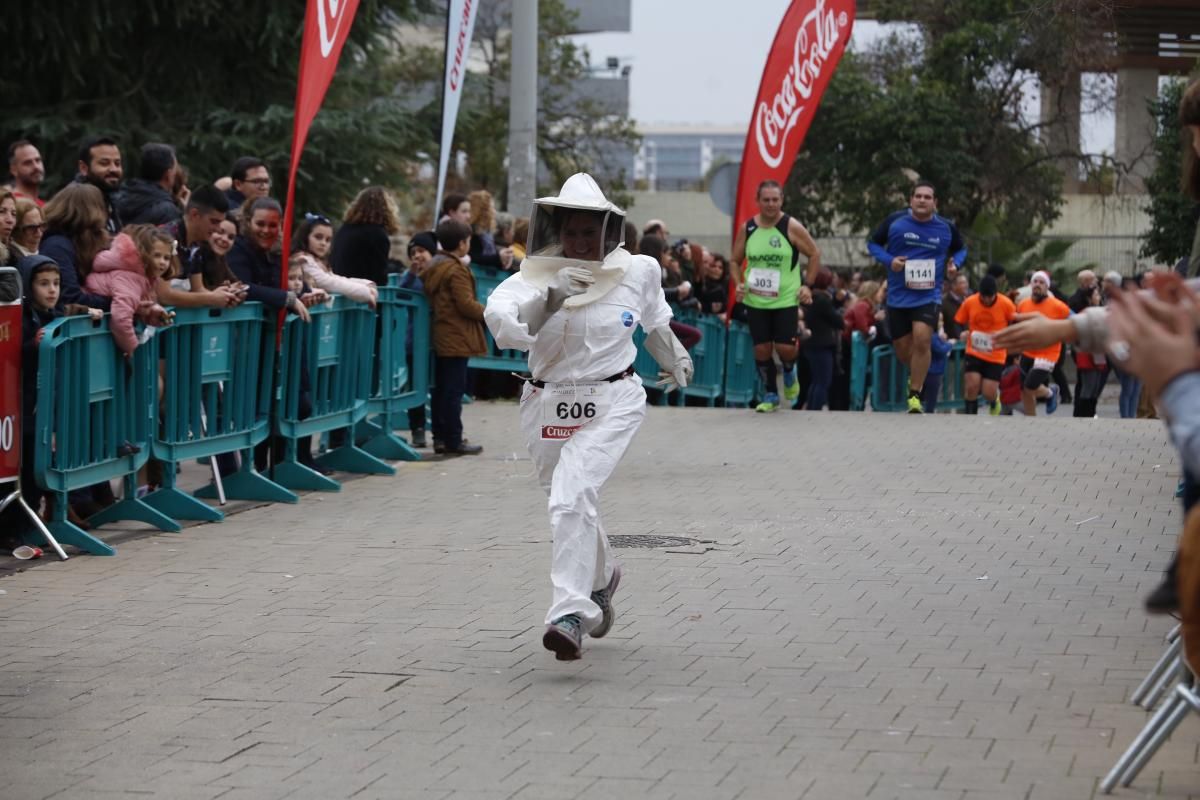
(579, 227)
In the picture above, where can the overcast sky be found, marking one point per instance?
(699, 61)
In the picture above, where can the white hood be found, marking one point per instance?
(545, 257)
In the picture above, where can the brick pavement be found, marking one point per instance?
(881, 607)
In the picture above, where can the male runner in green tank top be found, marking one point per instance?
(769, 245)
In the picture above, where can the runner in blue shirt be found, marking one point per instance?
(914, 245)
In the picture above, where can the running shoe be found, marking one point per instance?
(603, 598)
(996, 407)
(791, 391)
(1052, 400)
(770, 403)
(564, 636)
(914, 406)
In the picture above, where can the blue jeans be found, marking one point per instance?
(1131, 390)
(930, 393)
(820, 364)
(449, 383)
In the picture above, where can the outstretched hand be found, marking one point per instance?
(1153, 339)
(1033, 331)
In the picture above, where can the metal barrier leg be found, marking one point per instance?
(178, 504)
(1169, 678)
(293, 475)
(1156, 672)
(66, 533)
(132, 507)
(349, 458)
(378, 440)
(248, 484)
(15, 497)
(216, 479)
(1177, 709)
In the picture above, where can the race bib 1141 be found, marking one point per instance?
(919, 273)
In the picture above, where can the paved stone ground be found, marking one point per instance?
(881, 607)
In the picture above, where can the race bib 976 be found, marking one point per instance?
(982, 342)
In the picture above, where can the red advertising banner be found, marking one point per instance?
(326, 26)
(10, 375)
(810, 42)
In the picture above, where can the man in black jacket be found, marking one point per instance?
(100, 165)
(147, 199)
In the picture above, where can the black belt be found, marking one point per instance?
(625, 373)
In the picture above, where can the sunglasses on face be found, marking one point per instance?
(41, 226)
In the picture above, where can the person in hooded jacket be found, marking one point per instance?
(457, 335)
(41, 283)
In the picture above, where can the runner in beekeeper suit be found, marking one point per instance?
(574, 307)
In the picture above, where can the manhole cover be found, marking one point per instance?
(650, 541)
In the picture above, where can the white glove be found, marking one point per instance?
(567, 282)
(672, 357)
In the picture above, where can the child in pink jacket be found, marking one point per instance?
(128, 273)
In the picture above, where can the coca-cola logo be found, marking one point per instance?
(815, 40)
(462, 45)
(329, 22)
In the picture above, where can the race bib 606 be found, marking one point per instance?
(567, 407)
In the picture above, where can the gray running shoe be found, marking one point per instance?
(564, 636)
(603, 598)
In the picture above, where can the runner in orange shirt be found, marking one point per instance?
(982, 315)
(1036, 365)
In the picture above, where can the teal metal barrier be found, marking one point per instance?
(486, 281)
(741, 374)
(335, 356)
(889, 380)
(708, 358)
(95, 416)
(217, 367)
(396, 387)
(859, 364)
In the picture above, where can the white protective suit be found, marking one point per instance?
(578, 425)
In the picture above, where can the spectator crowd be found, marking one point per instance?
(136, 246)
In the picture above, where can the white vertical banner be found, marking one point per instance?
(460, 23)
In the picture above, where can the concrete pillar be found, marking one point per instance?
(523, 108)
(1135, 125)
(1061, 109)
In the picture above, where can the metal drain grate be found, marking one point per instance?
(650, 542)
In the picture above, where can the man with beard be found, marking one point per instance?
(100, 165)
(25, 166)
(1036, 365)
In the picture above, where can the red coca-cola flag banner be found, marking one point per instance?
(808, 46)
(10, 375)
(326, 26)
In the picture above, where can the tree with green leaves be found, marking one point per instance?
(575, 132)
(943, 102)
(1172, 213)
(215, 79)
